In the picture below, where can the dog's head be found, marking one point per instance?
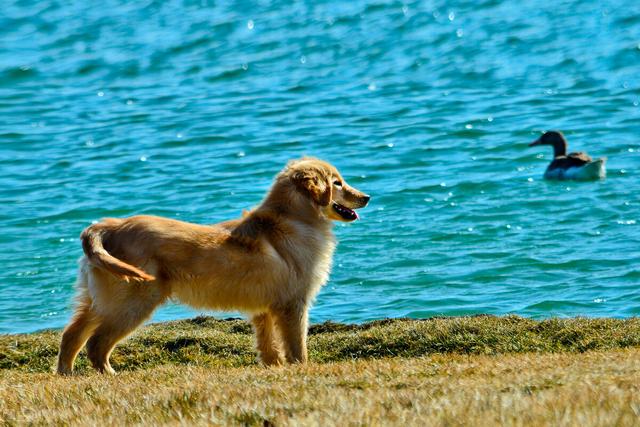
(323, 186)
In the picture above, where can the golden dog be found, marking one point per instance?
(270, 264)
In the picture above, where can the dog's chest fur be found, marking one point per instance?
(309, 254)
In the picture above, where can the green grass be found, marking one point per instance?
(208, 342)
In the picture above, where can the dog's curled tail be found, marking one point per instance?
(96, 253)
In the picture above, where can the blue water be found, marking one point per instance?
(188, 109)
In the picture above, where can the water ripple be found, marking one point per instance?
(188, 109)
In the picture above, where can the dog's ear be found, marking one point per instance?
(315, 183)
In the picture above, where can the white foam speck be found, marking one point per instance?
(459, 32)
(372, 86)
(452, 16)
(100, 94)
(468, 126)
(250, 24)
(143, 159)
(626, 222)
(240, 154)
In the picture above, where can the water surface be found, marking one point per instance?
(188, 109)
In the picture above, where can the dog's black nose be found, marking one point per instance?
(366, 198)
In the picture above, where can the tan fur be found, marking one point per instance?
(270, 263)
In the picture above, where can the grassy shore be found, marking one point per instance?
(446, 371)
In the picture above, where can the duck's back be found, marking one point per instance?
(573, 160)
(580, 156)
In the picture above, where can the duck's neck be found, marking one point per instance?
(559, 148)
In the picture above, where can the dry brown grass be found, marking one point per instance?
(174, 374)
(589, 389)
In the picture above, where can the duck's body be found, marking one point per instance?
(576, 166)
(589, 171)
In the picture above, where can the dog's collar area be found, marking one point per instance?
(345, 212)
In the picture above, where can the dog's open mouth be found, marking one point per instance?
(346, 213)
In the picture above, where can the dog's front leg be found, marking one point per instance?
(292, 321)
(267, 342)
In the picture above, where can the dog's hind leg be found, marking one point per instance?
(117, 324)
(102, 342)
(267, 342)
(80, 328)
(292, 321)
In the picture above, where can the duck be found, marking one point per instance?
(575, 166)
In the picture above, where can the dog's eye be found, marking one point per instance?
(337, 183)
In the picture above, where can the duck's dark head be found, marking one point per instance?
(555, 139)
